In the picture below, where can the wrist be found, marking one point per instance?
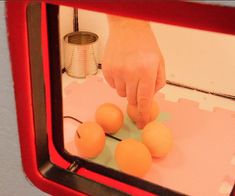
(117, 23)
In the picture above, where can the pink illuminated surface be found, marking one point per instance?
(200, 162)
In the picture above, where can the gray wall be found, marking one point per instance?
(216, 2)
(12, 179)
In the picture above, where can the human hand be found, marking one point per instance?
(133, 63)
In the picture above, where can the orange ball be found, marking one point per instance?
(90, 139)
(110, 117)
(158, 138)
(133, 157)
(132, 111)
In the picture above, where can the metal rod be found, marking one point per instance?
(227, 96)
(75, 20)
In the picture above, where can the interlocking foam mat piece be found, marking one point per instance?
(202, 160)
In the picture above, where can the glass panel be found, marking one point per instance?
(194, 109)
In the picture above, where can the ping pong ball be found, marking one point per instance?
(132, 111)
(158, 139)
(89, 139)
(133, 157)
(110, 117)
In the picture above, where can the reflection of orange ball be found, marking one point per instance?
(90, 139)
(110, 117)
(158, 138)
(133, 157)
(132, 111)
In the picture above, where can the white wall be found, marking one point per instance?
(12, 181)
(196, 58)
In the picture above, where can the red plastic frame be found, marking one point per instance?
(200, 16)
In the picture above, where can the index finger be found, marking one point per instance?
(145, 93)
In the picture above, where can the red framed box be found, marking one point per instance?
(34, 48)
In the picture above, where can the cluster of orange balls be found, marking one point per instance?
(132, 157)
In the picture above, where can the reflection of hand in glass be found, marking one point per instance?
(133, 63)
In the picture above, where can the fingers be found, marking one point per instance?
(161, 77)
(120, 86)
(131, 92)
(144, 101)
(109, 79)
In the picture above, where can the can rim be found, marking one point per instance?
(65, 38)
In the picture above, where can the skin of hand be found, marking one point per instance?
(133, 63)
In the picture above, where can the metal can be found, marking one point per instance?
(79, 54)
